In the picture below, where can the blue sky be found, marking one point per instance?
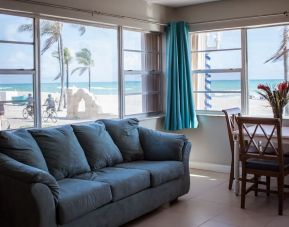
(262, 44)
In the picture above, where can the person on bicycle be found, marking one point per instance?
(30, 102)
(50, 103)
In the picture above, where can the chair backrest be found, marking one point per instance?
(260, 138)
(231, 115)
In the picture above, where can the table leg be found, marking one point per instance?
(236, 165)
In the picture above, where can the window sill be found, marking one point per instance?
(145, 117)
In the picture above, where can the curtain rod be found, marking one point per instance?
(241, 18)
(91, 12)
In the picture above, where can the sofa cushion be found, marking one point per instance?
(123, 182)
(161, 146)
(125, 135)
(21, 146)
(62, 152)
(79, 197)
(160, 171)
(97, 144)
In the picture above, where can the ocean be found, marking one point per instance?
(106, 88)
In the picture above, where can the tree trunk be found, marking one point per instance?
(67, 84)
(61, 56)
(89, 79)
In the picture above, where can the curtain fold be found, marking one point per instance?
(180, 112)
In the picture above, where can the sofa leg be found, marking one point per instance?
(174, 201)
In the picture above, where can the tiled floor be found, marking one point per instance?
(210, 204)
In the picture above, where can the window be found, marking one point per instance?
(17, 72)
(216, 65)
(81, 84)
(78, 77)
(142, 72)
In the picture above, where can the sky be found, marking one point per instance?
(262, 44)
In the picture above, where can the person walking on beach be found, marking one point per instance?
(50, 103)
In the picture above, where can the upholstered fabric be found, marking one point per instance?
(266, 164)
(62, 152)
(97, 144)
(160, 171)
(21, 146)
(79, 197)
(161, 146)
(125, 135)
(123, 182)
(27, 174)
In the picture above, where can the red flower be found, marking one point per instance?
(263, 87)
(282, 86)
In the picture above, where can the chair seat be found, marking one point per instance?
(160, 171)
(79, 197)
(123, 182)
(270, 165)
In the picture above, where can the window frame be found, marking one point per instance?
(36, 72)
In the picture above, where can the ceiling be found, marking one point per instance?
(179, 3)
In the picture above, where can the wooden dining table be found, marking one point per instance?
(258, 135)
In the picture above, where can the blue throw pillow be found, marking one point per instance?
(61, 150)
(161, 146)
(97, 144)
(125, 135)
(21, 146)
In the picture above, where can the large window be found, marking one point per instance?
(228, 65)
(71, 72)
(17, 72)
(142, 72)
(216, 62)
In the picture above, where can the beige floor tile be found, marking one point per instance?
(279, 222)
(216, 224)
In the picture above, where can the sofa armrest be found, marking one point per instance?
(28, 195)
(162, 146)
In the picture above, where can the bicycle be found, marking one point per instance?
(28, 112)
(49, 114)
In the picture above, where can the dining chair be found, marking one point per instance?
(231, 115)
(261, 154)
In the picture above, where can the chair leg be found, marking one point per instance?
(256, 178)
(268, 181)
(280, 194)
(243, 188)
(231, 175)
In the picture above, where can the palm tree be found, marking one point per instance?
(67, 61)
(282, 52)
(52, 30)
(84, 58)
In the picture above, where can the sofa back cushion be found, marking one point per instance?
(62, 152)
(21, 146)
(161, 146)
(125, 135)
(97, 144)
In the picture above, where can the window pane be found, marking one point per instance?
(216, 40)
(132, 40)
(89, 82)
(263, 44)
(217, 60)
(133, 84)
(16, 56)
(152, 42)
(132, 61)
(14, 28)
(16, 108)
(217, 101)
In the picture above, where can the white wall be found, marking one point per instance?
(130, 8)
(233, 9)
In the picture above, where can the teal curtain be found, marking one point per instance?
(180, 112)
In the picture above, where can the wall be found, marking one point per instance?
(233, 9)
(130, 8)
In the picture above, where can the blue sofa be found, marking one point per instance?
(104, 173)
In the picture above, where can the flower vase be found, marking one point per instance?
(278, 113)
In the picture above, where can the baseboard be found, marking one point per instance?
(210, 166)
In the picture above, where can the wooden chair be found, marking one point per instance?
(262, 159)
(231, 115)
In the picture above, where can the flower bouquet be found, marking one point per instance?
(276, 96)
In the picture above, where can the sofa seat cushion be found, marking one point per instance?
(160, 171)
(123, 182)
(79, 197)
